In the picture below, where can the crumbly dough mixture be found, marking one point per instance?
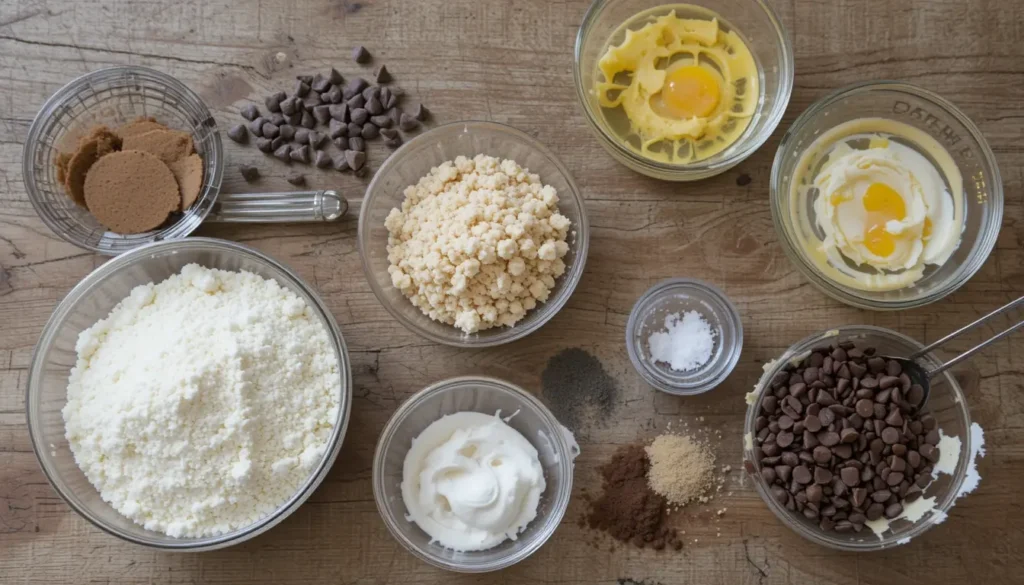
(201, 404)
(477, 243)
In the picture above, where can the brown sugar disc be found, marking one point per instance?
(189, 174)
(72, 169)
(140, 126)
(131, 192)
(167, 145)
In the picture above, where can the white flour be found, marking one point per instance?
(200, 404)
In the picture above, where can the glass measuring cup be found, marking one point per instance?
(118, 95)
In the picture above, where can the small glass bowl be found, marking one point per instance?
(946, 403)
(413, 161)
(91, 300)
(678, 295)
(487, 395)
(116, 96)
(925, 111)
(753, 20)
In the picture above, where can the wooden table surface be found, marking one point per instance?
(511, 62)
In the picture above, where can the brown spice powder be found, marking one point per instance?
(628, 509)
(682, 469)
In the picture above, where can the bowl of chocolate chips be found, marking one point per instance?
(847, 450)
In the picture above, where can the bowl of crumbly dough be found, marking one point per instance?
(188, 395)
(473, 234)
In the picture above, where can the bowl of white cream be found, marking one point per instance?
(886, 196)
(473, 474)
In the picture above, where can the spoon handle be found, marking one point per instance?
(963, 356)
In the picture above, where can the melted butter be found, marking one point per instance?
(687, 88)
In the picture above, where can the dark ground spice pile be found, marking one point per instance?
(577, 388)
(628, 509)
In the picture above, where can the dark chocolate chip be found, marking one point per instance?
(356, 159)
(270, 130)
(360, 54)
(381, 74)
(893, 510)
(374, 107)
(337, 129)
(250, 112)
(322, 160)
(333, 95)
(312, 100)
(289, 106)
(355, 129)
(890, 436)
(339, 163)
(273, 103)
(277, 119)
(283, 153)
(249, 173)
(357, 143)
(339, 112)
(316, 139)
(802, 475)
(359, 116)
(394, 142)
(300, 154)
(296, 179)
(287, 131)
(263, 144)
(238, 133)
(320, 83)
(256, 126)
(421, 113)
(382, 122)
(301, 88)
(370, 131)
(308, 121)
(407, 123)
(335, 77)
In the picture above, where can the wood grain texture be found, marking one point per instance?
(511, 62)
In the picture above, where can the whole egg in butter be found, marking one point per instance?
(677, 90)
(887, 204)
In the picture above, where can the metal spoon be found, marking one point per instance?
(919, 374)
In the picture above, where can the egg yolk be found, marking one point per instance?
(883, 204)
(690, 92)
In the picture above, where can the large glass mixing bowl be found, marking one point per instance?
(92, 300)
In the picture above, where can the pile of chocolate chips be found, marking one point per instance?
(351, 113)
(842, 439)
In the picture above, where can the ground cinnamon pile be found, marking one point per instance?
(628, 509)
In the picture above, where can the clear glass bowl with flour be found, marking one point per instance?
(684, 336)
(484, 396)
(92, 300)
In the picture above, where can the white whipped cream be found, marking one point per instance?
(471, 481)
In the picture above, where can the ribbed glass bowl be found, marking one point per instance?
(532, 419)
(929, 113)
(116, 96)
(92, 300)
(413, 161)
(754, 21)
(946, 403)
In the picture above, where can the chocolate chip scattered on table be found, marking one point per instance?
(351, 112)
(843, 438)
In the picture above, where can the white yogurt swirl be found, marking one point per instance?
(471, 481)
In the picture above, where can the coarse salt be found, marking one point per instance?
(686, 343)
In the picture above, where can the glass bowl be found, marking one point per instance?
(754, 21)
(553, 442)
(946, 403)
(414, 160)
(115, 96)
(676, 296)
(927, 112)
(91, 300)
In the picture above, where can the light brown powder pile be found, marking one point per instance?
(682, 469)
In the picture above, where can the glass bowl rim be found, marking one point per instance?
(696, 288)
(550, 308)
(699, 169)
(94, 279)
(71, 89)
(559, 505)
(791, 520)
(777, 196)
